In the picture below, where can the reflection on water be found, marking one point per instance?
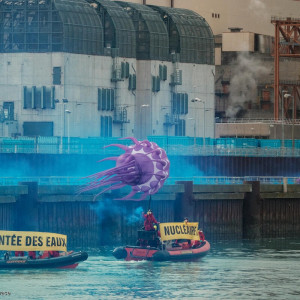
(265, 269)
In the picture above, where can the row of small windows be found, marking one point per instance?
(180, 103)
(163, 74)
(180, 128)
(38, 97)
(106, 126)
(106, 99)
(214, 15)
(43, 97)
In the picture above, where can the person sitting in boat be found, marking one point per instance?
(32, 254)
(149, 221)
(201, 235)
(19, 253)
(184, 243)
(53, 253)
(49, 254)
(195, 243)
(6, 255)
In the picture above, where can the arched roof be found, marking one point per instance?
(50, 25)
(189, 35)
(152, 40)
(118, 28)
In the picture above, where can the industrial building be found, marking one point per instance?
(145, 68)
(104, 68)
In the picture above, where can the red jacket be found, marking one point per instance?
(54, 253)
(149, 221)
(202, 236)
(32, 254)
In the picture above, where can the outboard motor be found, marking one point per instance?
(120, 253)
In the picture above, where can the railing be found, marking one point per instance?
(257, 120)
(179, 146)
(66, 180)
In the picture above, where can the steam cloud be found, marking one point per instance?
(258, 8)
(243, 85)
(106, 209)
(136, 217)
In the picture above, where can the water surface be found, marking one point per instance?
(268, 269)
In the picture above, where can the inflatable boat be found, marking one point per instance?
(156, 254)
(37, 250)
(174, 241)
(68, 261)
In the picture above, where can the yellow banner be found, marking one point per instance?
(32, 241)
(182, 230)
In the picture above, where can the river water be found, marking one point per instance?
(268, 269)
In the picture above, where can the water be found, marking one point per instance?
(268, 269)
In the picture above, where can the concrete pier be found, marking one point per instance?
(232, 211)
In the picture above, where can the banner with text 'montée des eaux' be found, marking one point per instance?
(32, 241)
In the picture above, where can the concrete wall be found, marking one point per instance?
(82, 75)
(238, 41)
(224, 212)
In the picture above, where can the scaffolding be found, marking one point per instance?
(286, 44)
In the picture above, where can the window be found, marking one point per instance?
(180, 128)
(124, 69)
(57, 75)
(180, 103)
(155, 84)
(38, 128)
(106, 99)
(8, 109)
(38, 97)
(132, 82)
(106, 126)
(163, 73)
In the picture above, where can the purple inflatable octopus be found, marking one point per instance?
(144, 166)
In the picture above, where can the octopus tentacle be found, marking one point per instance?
(124, 147)
(132, 139)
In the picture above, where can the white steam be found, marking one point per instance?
(247, 72)
(258, 7)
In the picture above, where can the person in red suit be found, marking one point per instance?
(32, 254)
(53, 253)
(149, 220)
(19, 253)
(201, 235)
(202, 239)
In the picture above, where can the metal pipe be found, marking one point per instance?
(282, 125)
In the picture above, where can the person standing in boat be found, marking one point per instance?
(149, 221)
(201, 235)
